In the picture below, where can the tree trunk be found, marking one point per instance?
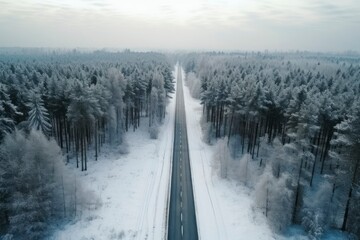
(75, 198)
(85, 156)
(82, 150)
(63, 193)
(327, 146)
(96, 142)
(61, 134)
(66, 141)
(243, 136)
(267, 202)
(127, 118)
(353, 180)
(230, 126)
(256, 132)
(297, 194)
(346, 214)
(318, 143)
(76, 135)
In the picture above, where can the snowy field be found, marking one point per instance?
(133, 188)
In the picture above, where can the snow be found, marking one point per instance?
(133, 188)
(223, 208)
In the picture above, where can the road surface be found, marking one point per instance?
(182, 219)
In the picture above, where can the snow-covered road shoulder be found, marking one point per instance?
(132, 188)
(223, 208)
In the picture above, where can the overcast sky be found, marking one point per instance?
(315, 25)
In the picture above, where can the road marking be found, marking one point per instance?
(180, 193)
(180, 204)
(181, 217)
(182, 230)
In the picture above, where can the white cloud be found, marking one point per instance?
(211, 24)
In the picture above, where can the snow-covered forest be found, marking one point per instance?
(290, 130)
(59, 108)
(285, 125)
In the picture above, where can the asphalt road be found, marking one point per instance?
(182, 219)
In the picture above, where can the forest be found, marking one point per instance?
(62, 107)
(288, 127)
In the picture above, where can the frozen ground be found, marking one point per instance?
(223, 208)
(133, 188)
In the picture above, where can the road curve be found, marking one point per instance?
(182, 219)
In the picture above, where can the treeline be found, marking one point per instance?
(68, 104)
(83, 99)
(295, 120)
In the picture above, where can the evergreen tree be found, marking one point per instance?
(7, 112)
(38, 115)
(32, 170)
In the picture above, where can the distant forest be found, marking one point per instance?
(292, 122)
(55, 104)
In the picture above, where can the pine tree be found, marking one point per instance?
(38, 115)
(83, 111)
(348, 137)
(8, 111)
(30, 171)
